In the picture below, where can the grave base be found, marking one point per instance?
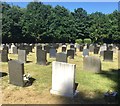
(63, 94)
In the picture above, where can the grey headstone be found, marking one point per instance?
(91, 48)
(41, 57)
(22, 56)
(53, 52)
(15, 50)
(61, 57)
(3, 56)
(96, 50)
(64, 49)
(92, 63)
(16, 72)
(85, 52)
(71, 53)
(47, 48)
(108, 55)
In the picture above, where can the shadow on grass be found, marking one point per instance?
(2, 74)
(48, 63)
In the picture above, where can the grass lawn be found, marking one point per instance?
(92, 86)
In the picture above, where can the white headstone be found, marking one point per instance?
(63, 79)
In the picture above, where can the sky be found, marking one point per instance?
(90, 7)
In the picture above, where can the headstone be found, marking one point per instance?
(63, 79)
(72, 46)
(119, 59)
(108, 55)
(53, 52)
(81, 48)
(22, 56)
(85, 52)
(92, 63)
(15, 50)
(47, 48)
(61, 57)
(91, 48)
(6, 48)
(102, 49)
(41, 57)
(96, 50)
(12, 46)
(71, 53)
(64, 48)
(3, 56)
(16, 72)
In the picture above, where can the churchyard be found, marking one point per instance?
(56, 77)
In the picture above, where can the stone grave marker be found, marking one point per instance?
(41, 57)
(64, 47)
(85, 52)
(22, 56)
(92, 63)
(3, 56)
(108, 55)
(61, 57)
(53, 52)
(63, 79)
(71, 53)
(16, 72)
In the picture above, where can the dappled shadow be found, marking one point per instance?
(2, 74)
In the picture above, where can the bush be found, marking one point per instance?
(87, 40)
(78, 41)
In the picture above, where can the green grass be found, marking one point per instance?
(91, 85)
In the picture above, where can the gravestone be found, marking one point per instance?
(81, 48)
(102, 49)
(38, 47)
(96, 50)
(72, 46)
(3, 56)
(85, 52)
(16, 72)
(22, 56)
(91, 48)
(15, 50)
(71, 53)
(64, 48)
(92, 63)
(61, 57)
(6, 48)
(41, 57)
(46, 48)
(53, 52)
(63, 79)
(108, 55)
(12, 48)
(119, 59)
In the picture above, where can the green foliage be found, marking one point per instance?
(78, 41)
(44, 23)
(87, 40)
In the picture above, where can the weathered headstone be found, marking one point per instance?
(81, 48)
(53, 52)
(71, 53)
(91, 48)
(64, 48)
(85, 52)
(41, 57)
(63, 79)
(92, 63)
(96, 50)
(3, 56)
(61, 57)
(47, 48)
(22, 56)
(102, 49)
(16, 72)
(108, 55)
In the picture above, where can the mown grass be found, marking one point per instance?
(92, 86)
